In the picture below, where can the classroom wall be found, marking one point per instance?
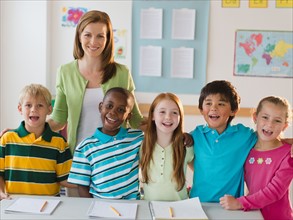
(24, 54)
(222, 26)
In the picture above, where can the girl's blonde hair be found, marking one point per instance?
(150, 139)
(36, 90)
(282, 102)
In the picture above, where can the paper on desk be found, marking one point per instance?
(32, 206)
(102, 209)
(183, 209)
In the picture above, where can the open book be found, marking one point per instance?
(104, 209)
(183, 209)
(33, 206)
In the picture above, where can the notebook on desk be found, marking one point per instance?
(183, 209)
(112, 210)
(32, 206)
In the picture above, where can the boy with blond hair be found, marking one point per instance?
(34, 160)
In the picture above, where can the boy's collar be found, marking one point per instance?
(106, 138)
(47, 134)
(229, 128)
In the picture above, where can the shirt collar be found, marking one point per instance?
(105, 138)
(160, 148)
(47, 134)
(229, 129)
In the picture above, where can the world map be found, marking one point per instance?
(264, 53)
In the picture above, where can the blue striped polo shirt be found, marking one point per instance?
(108, 164)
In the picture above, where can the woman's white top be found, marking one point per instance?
(90, 117)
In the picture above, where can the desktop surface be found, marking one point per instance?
(76, 208)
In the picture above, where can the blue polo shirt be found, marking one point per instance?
(219, 161)
(108, 164)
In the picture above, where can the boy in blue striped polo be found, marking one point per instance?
(105, 165)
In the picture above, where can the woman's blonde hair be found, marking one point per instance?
(150, 139)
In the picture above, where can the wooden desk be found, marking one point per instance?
(76, 208)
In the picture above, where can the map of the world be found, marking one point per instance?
(264, 53)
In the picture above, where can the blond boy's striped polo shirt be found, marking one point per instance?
(34, 166)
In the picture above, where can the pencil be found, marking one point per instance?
(43, 206)
(114, 210)
(171, 212)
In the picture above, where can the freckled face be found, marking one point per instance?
(166, 116)
(216, 112)
(93, 39)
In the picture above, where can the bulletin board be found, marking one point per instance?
(166, 82)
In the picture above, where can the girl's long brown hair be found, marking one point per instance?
(150, 139)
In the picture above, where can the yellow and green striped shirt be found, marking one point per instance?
(34, 166)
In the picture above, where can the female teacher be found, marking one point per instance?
(82, 83)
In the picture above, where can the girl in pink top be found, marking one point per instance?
(269, 166)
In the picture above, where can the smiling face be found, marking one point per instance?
(216, 111)
(115, 109)
(270, 121)
(93, 39)
(166, 116)
(34, 111)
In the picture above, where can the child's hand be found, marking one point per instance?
(230, 203)
(4, 196)
(3, 132)
(188, 140)
(143, 124)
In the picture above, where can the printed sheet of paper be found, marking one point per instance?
(183, 209)
(183, 24)
(151, 23)
(33, 206)
(182, 61)
(103, 210)
(150, 63)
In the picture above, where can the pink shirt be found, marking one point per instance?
(268, 175)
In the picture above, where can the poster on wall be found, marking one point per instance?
(120, 43)
(263, 53)
(230, 4)
(71, 16)
(258, 3)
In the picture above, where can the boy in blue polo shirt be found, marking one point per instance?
(105, 165)
(220, 148)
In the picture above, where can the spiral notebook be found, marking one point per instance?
(183, 209)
